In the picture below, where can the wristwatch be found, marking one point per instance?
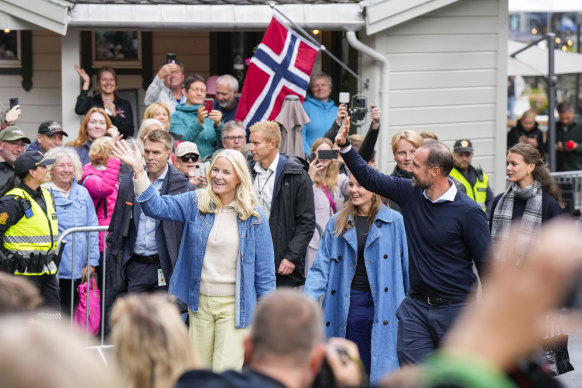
(347, 143)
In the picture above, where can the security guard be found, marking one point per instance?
(476, 182)
(29, 229)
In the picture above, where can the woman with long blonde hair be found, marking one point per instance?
(226, 260)
(151, 346)
(330, 188)
(362, 269)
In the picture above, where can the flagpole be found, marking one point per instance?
(321, 46)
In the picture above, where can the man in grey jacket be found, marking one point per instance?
(167, 86)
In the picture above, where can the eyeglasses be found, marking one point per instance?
(233, 138)
(189, 158)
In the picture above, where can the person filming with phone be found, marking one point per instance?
(166, 87)
(330, 189)
(196, 120)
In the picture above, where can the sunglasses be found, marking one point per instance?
(189, 158)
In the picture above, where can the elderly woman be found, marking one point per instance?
(148, 125)
(193, 122)
(95, 124)
(74, 207)
(226, 260)
(100, 179)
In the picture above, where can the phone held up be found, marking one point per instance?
(208, 104)
(170, 58)
(322, 155)
(13, 102)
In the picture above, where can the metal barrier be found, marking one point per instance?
(88, 230)
(571, 185)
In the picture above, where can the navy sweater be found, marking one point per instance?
(443, 238)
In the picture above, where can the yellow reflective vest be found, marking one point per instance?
(477, 193)
(34, 234)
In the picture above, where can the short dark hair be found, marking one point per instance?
(160, 136)
(193, 78)
(564, 107)
(439, 155)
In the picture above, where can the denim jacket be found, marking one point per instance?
(255, 269)
(386, 259)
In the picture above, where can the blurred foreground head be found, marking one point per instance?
(48, 354)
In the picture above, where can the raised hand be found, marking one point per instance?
(84, 76)
(13, 114)
(128, 155)
(343, 132)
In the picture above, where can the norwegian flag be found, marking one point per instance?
(281, 65)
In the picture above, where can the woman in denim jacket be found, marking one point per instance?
(226, 259)
(362, 269)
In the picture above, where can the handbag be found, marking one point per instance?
(94, 309)
(556, 349)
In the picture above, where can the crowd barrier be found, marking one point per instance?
(88, 231)
(571, 184)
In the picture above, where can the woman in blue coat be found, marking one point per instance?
(362, 269)
(226, 260)
(74, 208)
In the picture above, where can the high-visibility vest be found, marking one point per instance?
(35, 234)
(477, 193)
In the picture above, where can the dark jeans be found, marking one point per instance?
(48, 286)
(421, 328)
(359, 325)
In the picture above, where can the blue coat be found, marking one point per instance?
(386, 256)
(77, 210)
(184, 122)
(322, 115)
(255, 275)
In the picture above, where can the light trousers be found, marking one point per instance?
(218, 343)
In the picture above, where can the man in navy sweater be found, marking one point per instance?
(446, 233)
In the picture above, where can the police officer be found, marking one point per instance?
(476, 182)
(29, 229)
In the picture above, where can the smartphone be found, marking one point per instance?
(13, 102)
(359, 107)
(327, 154)
(208, 104)
(311, 157)
(170, 58)
(344, 98)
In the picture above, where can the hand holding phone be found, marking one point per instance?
(13, 102)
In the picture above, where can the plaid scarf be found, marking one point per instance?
(531, 221)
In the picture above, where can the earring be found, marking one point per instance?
(528, 172)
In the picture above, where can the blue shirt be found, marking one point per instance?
(145, 241)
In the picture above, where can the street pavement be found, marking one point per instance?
(573, 379)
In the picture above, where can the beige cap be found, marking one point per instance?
(185, 148)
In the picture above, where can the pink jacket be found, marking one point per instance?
(102, 186)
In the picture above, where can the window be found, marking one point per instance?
(10, 53)
(118, 49)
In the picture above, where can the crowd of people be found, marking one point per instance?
(385, 266)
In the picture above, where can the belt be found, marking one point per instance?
(433, 300)
(153, 259)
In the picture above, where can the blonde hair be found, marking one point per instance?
(428, 135)
(356, 139)
(83, 137)
(244, 200)
(151, 111)
(410, 136)
(58, 152)
(100, 150)
(529, 113)
(350, 209)
(330, 178)
(269, 129)
(151, 344)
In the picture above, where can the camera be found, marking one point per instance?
(344, 98)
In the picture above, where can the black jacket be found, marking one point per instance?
(246, 378)
(123, 107)
(516, 132)
(292, 218)
(123, 231)
(7, 178)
